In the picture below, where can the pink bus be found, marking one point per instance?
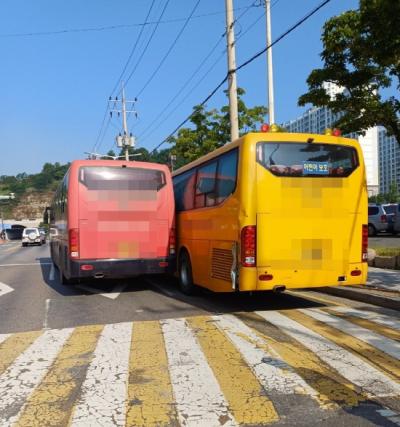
(113, 219)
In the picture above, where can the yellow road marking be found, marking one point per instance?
(246, 399)
(52, 402)
(368, 324)
(333, 389)
(150, 396)
(378, 359)
(314, 298)
(13, 346)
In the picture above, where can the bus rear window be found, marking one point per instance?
(307, 159)
(117, 178)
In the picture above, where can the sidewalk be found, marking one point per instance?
(384, 279)
(382, 289)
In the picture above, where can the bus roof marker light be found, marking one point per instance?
(265, 127)
(336, 132)
(328, 131)
(274, 128)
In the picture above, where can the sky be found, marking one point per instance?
(61, 60)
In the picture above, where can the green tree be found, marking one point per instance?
(392, 196)
(211, 129)
(362, 55)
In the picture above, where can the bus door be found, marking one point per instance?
(123, 213)
(309, 223)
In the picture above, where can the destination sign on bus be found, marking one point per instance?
(315, 168)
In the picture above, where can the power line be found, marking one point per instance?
(102, 134)
(150, 126)
(109, 27)
(99, 139)
(254, 57)
(133, 49)
(193, 88)
(148, 42)
(169, 50)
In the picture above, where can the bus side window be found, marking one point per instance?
(205, 185)
(226, 177)
(184, 189)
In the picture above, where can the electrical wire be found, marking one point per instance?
(244, 64)
(148, 43)
(169, 50)
(133, 49)
(110, 27)
(151, 125)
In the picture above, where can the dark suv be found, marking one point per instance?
(377, 220)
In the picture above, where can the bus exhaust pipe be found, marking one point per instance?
(279, 289)
(99, 276)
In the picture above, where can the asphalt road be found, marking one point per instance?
(40, 300)
(139, 353)
(384, 241)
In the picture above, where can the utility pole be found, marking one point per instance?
(232, 84)
(271, 106)
(125, 140)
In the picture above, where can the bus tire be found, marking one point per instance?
(63, 280)
(185, 274)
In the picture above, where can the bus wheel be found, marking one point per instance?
(185, 274)
(63, 280)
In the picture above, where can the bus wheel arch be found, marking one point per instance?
(186, 283)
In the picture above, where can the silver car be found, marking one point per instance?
(32, 236)
(377, 220)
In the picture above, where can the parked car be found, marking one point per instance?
(33, 236)
(43, 233)
(377, 220)
(393, 213)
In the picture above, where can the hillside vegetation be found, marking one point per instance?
(32, 192)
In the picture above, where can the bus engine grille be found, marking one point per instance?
(221, 264)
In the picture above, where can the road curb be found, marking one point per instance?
(364, 295)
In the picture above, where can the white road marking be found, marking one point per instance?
(26, 373)
(5, 289)
(274, 374)
(360, 373)
(115, 293)
(52, 272)
(383, 319)
(372, 338)
(199, 399)
(25, 264)
(46, 314)
(103, 397)
(3, 337)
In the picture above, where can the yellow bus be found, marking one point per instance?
(273, 211)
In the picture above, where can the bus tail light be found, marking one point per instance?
(74, 243)
(248, 246)
(364, 255)
(172, 242)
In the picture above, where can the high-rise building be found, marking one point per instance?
(389, 161)
(317, 119)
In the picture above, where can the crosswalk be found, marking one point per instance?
(252, 368)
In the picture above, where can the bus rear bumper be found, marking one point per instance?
(117, 268)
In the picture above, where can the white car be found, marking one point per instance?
(32, 236)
